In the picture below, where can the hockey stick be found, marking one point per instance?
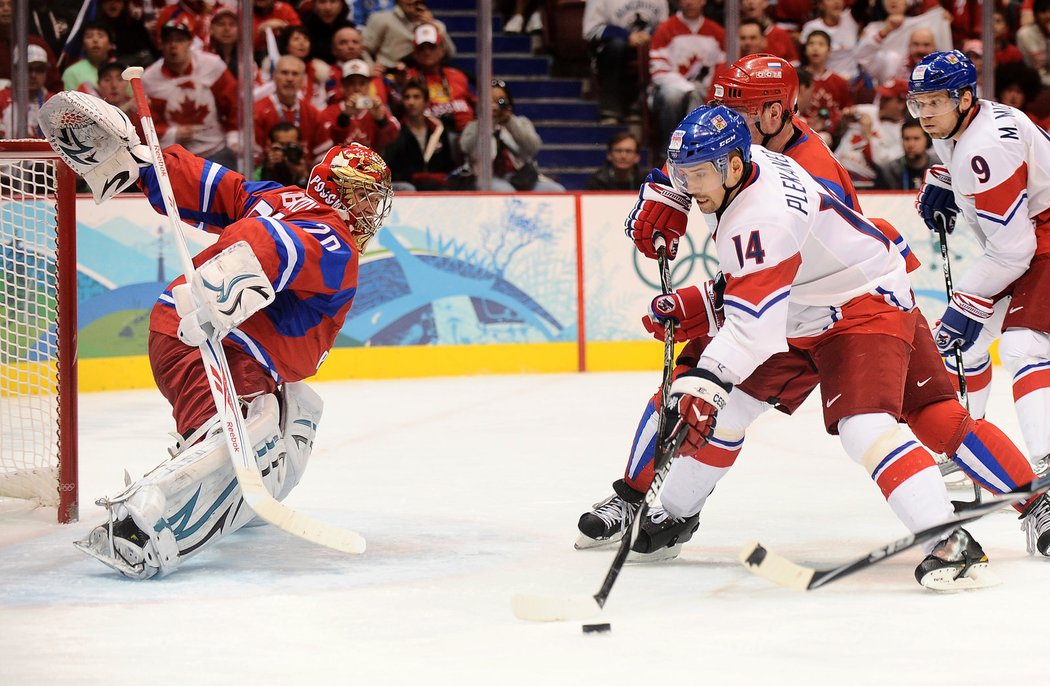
(960, 370)
(221, 382)
(548, 608)
(767, 564)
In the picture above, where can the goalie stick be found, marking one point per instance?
(221, 382)
(769, 565)
(550, 608)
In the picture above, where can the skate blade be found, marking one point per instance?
(585, 542)
(127, 570)
(977, 576)
(655, 556)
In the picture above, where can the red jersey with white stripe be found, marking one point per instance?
(797, 262)
(1000, 169)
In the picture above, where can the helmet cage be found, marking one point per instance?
(355, 182)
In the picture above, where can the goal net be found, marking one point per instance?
(38, 298)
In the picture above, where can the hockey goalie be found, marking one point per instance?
(275, 288)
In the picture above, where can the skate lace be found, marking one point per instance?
(613, 512)
(1036, 521)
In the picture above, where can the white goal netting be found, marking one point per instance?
(33, 398)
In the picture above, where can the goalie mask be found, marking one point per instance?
(354, 181)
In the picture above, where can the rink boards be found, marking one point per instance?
(454, 284)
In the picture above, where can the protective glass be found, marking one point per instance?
(931, 104)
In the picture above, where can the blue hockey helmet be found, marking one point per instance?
(949, 70)
(708, 134)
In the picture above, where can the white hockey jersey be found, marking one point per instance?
(793, 255)
(1000, 170)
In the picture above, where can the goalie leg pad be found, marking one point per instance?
(302, 414)
(188, 502)
(96, 139)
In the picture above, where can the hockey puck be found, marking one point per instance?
(596, 628)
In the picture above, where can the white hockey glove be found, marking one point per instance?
(227, 289)
(698, 395)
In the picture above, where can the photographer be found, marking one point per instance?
(360, 118)
(514, 150)
(285, 160)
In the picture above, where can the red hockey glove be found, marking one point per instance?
(698, 395)
(660, 210)
(695, 310)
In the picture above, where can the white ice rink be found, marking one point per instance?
(468, 490)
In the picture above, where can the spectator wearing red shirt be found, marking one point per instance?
(452, 100)
(778, 41)
(273, 15)
(196, 14)
(360, 118)
(288, 103)
(831, 92)
(39, 64)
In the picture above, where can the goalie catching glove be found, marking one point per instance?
(936, 200)
(660, 211)
(226, 290)
(697, 395)
(696, 311)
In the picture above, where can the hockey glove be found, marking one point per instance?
(695, 310)
(962, 322)
(227, 289)
(936, 201)
(698, 395)
(660, 210)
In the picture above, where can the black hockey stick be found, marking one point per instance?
(547, 608)
(960, 370)
(765, 563)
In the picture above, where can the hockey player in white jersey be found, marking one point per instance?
(802, 268)
(997, 176)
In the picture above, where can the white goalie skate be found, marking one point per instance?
(96, 139)
(191, 501)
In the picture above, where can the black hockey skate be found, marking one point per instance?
(609, 519)
(661, 536)
(1035, 522)
(957, 563)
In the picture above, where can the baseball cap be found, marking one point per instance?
(426, 33)
(180, 24)
(894, 88)
(973, 45)
(356, 68)
(223, 11)
(35, 53)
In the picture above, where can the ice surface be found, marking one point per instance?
(468, 491)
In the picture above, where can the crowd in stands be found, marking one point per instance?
(853, 57)
(379, 72)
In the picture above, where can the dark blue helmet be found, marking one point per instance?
(943, 71)
(709, 134)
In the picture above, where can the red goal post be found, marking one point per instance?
(38, 338)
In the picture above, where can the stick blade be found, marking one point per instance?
(549, 608)
(770, 566)
(295, 523)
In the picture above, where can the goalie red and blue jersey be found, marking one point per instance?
(304, 247)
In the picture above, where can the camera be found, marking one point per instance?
(293, 153)
(363, 102)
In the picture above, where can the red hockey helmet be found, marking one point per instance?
(354, 181)
(755, 80)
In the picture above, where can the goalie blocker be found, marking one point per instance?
(191, 501)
